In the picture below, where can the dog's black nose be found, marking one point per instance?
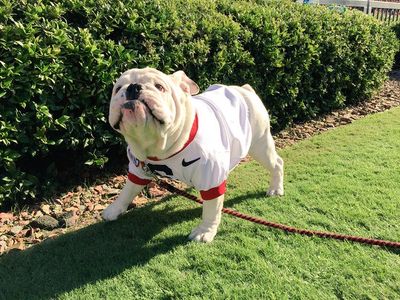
(133, 91)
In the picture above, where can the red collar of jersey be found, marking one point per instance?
(192, 134)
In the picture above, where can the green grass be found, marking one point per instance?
(346, 180)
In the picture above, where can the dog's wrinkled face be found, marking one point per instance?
(141, 98)
(148, 105)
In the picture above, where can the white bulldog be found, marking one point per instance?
(195, 139)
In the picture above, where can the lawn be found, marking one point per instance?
(346, 180)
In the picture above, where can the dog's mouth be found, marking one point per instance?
(117, 125)
(130, 104)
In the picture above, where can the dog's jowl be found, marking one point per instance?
(198, 139)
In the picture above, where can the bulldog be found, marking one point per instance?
(195, 139)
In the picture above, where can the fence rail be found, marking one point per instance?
(386, 11)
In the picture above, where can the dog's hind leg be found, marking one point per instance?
(263, 150)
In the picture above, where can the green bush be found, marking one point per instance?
(59, 59)
(310, 59)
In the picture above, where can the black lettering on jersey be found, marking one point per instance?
(161, 168)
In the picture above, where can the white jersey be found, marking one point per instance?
(220, 138)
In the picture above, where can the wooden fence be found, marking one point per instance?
(385, 10)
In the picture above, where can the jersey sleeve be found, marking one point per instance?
(210, 176)
(214, 192)
(136, 173)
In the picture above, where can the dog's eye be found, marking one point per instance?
(160, 87)
(117, 89)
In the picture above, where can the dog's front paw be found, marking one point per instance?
(275, 192)
(112, 212)
(203, 233)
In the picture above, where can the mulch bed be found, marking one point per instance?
(83, 206)
(387, 98)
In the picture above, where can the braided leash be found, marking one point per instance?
(286, 228)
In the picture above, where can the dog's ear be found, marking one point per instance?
(186, 84)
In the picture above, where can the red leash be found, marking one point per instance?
(286, 228)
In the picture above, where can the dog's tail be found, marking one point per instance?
(248, 87)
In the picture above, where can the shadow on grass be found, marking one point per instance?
(97, 252)
(238, 199)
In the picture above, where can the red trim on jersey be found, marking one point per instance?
(135, 179)
(192, 134)
(214, 192)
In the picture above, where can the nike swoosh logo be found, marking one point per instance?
(188, 163)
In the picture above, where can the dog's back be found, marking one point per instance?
(258, 114)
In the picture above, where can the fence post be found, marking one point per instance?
(369, 8)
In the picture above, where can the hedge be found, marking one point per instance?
(59, 59)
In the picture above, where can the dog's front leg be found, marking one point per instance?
(119, 206)
(211, 218)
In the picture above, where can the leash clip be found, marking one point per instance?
(156, 177)
(149, 172)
